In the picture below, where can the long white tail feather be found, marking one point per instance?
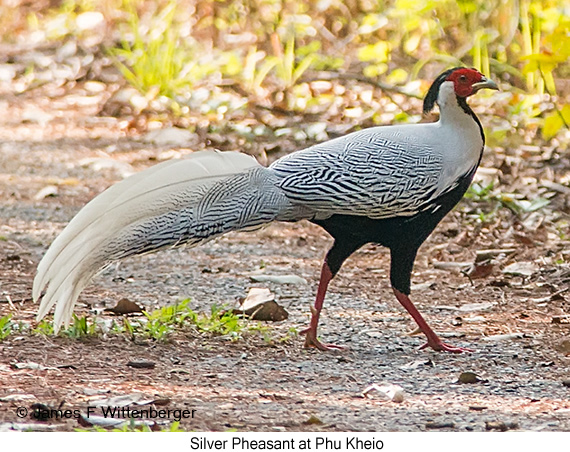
(178, 202)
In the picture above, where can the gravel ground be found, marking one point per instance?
(517, 328)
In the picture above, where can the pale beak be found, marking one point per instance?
(484, 83)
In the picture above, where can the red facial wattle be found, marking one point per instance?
(464, 79)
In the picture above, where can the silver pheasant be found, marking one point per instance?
(390, 185)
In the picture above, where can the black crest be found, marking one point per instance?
(431, 96)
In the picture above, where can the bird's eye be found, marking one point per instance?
(462, 78)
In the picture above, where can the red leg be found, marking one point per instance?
(311, 332)
(433, 339)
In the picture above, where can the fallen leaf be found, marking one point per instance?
(89, 20)
(125, 306)
(27, 427)
(374, 333)
(480, 270)
(170, 136)
(563, 346)
(35, 115)
(422, 286)
(473, 307)
(120, 401)
(313, 420)
(390, 392)
(107, 422)
(142, 364)
(503, 337)
(260, 305)
(17, 397)
(520, 269)
(32, 366)
(257, 296)
(484, 255)
(94, 391)
(48, 190)
(418, 363)
(279, 279)
(474, 319)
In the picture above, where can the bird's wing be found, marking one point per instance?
(378, 173)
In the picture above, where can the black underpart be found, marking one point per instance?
(402, 235)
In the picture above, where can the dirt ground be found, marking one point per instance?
(517, 326)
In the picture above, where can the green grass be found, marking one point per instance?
(80, 327)
(6, 326)
(132, 427)
(493, 200)
(154, 59)
(162, 323)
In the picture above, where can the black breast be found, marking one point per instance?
(402, 235)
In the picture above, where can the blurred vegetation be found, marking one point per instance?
(215, 59)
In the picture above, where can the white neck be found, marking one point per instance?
(459, 133)
(450, 110)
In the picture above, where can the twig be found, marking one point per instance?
(324, 75)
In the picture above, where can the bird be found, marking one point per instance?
(390, 185)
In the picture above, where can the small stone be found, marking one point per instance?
(477, 408)
(469, 378)
(500, 425)
(438, 425)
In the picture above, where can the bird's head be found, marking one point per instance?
(465, 83)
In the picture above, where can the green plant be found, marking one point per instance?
(153, 58)
(289, 67)
(160, 323)
(494, 200)
(131, 426)
(518, 205)
(479, 192)
(80, 328)
(43, 328)
(6, 326)
(376, 56)
(221, 322)
(254, 75)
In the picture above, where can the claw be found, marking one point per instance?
(433, 339)
(312, 341)
(443, 347)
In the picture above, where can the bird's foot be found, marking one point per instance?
(440, 346)
(312, 341)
